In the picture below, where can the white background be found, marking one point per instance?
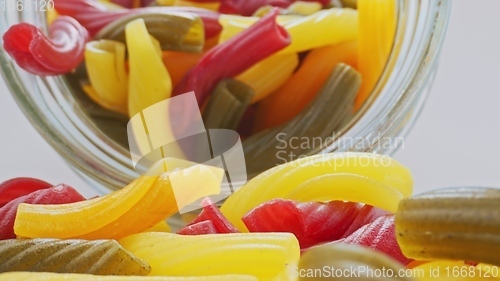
(455, 141)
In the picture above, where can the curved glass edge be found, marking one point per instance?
(398, 98)
(108, 171)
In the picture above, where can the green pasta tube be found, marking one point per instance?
(455, 223)
(99, 257)
(227, 104)
(328, 112)
(353, 4)
(175, 31)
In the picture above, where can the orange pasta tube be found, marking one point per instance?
(302, 87)
(179, 63)
(377, 28)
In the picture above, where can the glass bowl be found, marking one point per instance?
(73, 125)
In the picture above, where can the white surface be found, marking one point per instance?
(455, 141)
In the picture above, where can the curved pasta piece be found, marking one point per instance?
(265, 256)
(58, 53)
(59, 194)
(270, 74)
(324, 28)
(281, 180)
(29, 276)
(135, 208)
(303, 86)
(99, 257)
(348, 187)
(17, 187)
(377, 29)
(322, 118)
(105, 63)
(185, 30)
(260, 41)
(312, 223)
(149, 81)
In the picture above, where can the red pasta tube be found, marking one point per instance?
(229, 59)
(59, 53)
(247, 8)
(17, 187)
(94, 16)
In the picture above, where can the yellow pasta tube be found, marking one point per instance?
(304, 8)
(165, 2)
(214, 6)
(282, 180)
(326, 27)
(377, 28)
(232, 25)
(267, 256)
(42, 276)
(105, 62)
(246, 22)
(149, 81)
(347, 187)
(269, 75)
(160, 227)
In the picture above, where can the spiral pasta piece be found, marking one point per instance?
(454, 223)
(29, 276)
(281, 180)
(265, 256)
(105, 62)
(58, 53)
(99, 257)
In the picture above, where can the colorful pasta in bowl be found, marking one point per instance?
(292, 78)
